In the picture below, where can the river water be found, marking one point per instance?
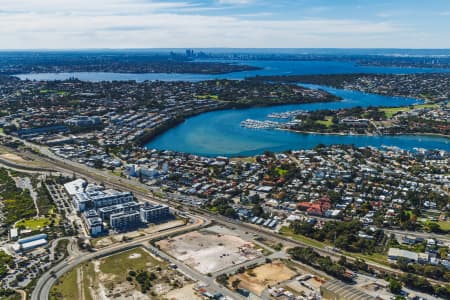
(219, 132)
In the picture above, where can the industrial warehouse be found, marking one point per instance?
(102, 208)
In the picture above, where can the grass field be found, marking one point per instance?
(34, 224)
(445, 225)
(120, 264)
(203, 97)
(66, 287)
(286, 231)
(327, 122)
(378, 258)
(390, 111)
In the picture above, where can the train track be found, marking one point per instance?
(129, 185)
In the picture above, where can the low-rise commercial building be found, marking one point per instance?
(395, 253)
(31, 242)
(337, 290)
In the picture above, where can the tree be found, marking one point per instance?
(434, 227)
(235, 283)
(257, 210)
(395, 286)
(342, 260)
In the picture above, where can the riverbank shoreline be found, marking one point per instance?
(151, 135)
(362, 134)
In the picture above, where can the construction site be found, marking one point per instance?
(209, 252)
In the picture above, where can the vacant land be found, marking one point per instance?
(66, 287)
(186, 292)
(13, 158)
(258, 279)
(137, 259)
(209, 252)
(133, 274)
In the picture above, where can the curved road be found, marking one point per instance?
(47, 280)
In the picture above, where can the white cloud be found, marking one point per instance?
(146, 24)
(235, 2)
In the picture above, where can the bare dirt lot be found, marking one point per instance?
(209, 252)
(186, 292)
(256, 280)
(13, 158)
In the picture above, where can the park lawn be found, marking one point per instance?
(34, 223)
(390, 111)
(426, 105)
(120, 264)
(286, 231)
(1, 131)
(327, 122)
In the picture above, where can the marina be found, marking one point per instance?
(224, 135)
(256, 124)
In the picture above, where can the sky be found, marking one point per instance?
(73, 24)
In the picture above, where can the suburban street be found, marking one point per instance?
(141, 191)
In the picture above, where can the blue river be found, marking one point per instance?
(268, 68)
(219, 132)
